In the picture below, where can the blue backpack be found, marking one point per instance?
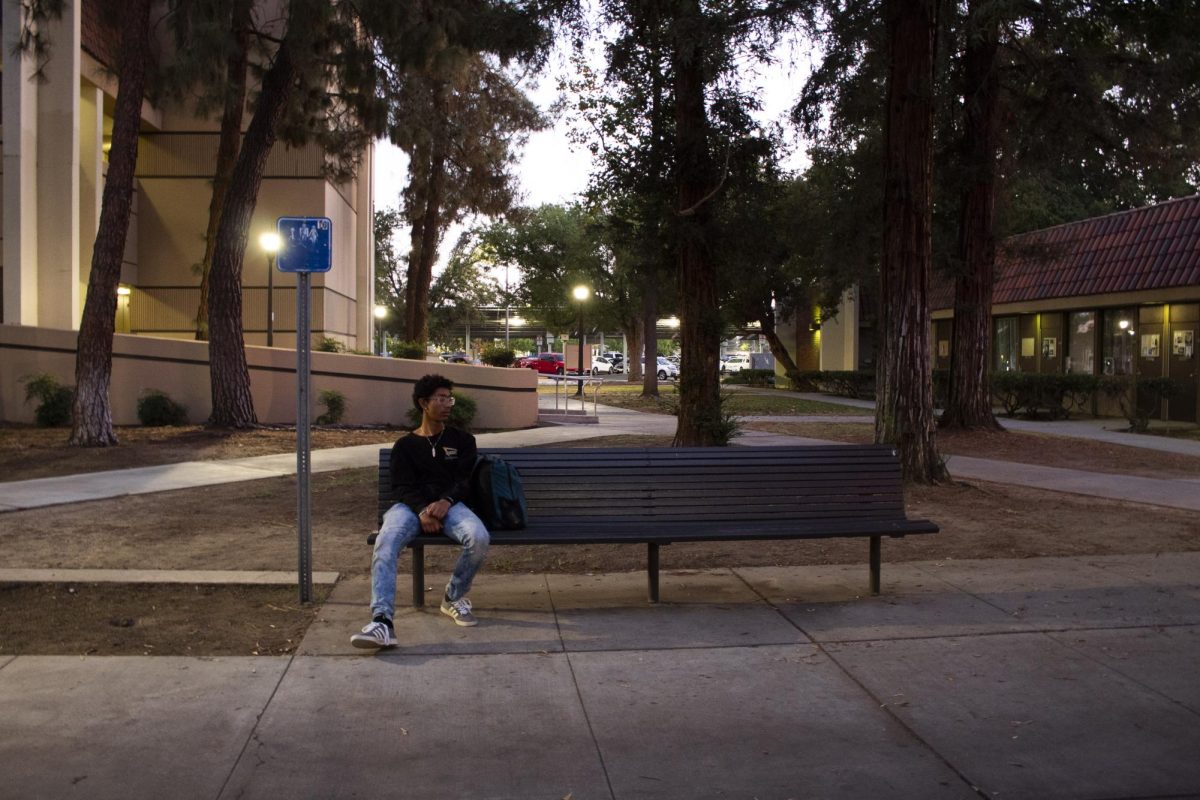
(497, 495)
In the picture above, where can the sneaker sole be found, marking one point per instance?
(370, 644)
(461, 622)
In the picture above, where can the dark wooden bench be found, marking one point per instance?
(657, 496)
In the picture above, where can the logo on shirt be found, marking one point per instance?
(451, 452)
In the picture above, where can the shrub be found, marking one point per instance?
(54, 399)
(1033, 394)
(843, 383)
(1138, 399)
(155, 409)
(752, 377)
(498, 356)
(462, 413)
(415, 350)
(330, 345)
(335, 407)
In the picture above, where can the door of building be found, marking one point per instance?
(1182, 361)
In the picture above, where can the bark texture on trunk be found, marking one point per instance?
(232, 402)
(92, 413)
(904, 394)
(969, 401)
(430, 159)
(700, 324)
(633, 337)
(227, 150)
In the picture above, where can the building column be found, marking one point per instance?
(20, 99)
(91, 173)
(60, 293)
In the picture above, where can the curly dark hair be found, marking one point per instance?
(424, 388)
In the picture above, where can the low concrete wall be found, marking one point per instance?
(377, 390)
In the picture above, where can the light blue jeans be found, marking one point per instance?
(401, 526)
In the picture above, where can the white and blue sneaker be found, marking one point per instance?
(460, 611)
(374, 635)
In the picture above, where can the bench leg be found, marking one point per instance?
(652, 570)
(418, 574)
(875, 559)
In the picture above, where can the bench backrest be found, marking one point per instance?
(808, 482)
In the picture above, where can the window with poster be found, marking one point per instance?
(1120, 341)
(1081, 343)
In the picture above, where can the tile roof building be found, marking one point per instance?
(1117, 295)
(1112, 295)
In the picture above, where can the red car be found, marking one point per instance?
(545, 363)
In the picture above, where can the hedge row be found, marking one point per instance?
(1021, 393)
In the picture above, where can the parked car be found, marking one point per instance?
(617, 359)
(456, 358)
(544, 363)
(666, 369)
(603, 365)
(738, 362)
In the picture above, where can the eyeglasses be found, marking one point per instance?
(442, 398)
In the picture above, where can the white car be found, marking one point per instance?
(666, 369)
(738, 362)
(603, 366)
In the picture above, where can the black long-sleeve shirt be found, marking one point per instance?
(429, 468)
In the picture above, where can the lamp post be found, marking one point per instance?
(581, 294)
(381, 313)
(270, 242)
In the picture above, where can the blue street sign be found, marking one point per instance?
(306, 244)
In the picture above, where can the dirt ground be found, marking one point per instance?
(251, 526)
(27, 452)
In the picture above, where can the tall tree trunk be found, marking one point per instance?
(766, 322)
(633, 330)
(699, 314)
(232, 402)
(227, 150)
(92, 414)
(650, 337)
(426, 222)
(904, 395)
(969, 402)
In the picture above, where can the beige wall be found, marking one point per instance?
(839, 336)
(377, 390)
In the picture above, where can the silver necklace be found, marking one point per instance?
(433, 443)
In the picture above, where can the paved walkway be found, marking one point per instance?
(1035, 678)
(1039, 678)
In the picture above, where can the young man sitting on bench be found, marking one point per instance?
(431, 472)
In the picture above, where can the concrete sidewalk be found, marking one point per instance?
(1041, 678)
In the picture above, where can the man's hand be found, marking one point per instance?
(438, 509)
(429, 523)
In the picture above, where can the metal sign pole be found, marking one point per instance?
(306, 247)
(303, 455)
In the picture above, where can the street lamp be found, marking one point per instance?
(381, 313)
(581, 294)
(270, 242)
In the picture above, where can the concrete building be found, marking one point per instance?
(56, 127)
(55, 132)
